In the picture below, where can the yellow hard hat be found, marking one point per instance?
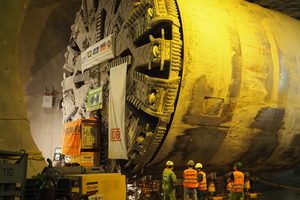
(169, 163)
(191, 163)
(198, 165)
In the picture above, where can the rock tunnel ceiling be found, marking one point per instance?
(193, 89)
(288, 7)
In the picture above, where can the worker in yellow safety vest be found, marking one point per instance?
(236, 182)
(190, 182)
(202, 187)
(169, 182)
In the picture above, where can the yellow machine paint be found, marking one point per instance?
(85, 159)
(213, 81)
(239, 88)
(90, 135)
(110, 185)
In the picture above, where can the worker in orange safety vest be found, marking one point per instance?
(236, 182)
(202, 187)
(190, 182)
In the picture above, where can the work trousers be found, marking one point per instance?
(169, 195)
(189, 193)
(236, 195)
(201, 194)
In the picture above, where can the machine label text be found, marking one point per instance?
(115, 134)
(8, 172)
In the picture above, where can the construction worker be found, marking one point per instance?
(202, 187)
(169, 181)
(168, 162)
(236, 182)
(190, 182)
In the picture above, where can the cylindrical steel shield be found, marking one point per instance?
(239, 94)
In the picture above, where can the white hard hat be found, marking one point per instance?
(198, 165)
(169, 163)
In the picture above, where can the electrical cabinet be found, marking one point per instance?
(87, 159)
(13, 175)
(106, 185)
(89, 134)
(80, 135)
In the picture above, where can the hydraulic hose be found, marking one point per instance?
(32, 155)
(275, 185)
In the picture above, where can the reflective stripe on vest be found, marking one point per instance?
(238, 184)
(190, 178)
(202, 184)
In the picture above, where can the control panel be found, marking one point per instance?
(89, 135)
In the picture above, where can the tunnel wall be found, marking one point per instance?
(42, 44)
(14, 124)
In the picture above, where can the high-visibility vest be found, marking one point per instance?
(190, 178)
(238, 183)
(168, 179)
(229, 186)
(202, 184)
(163, 172)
